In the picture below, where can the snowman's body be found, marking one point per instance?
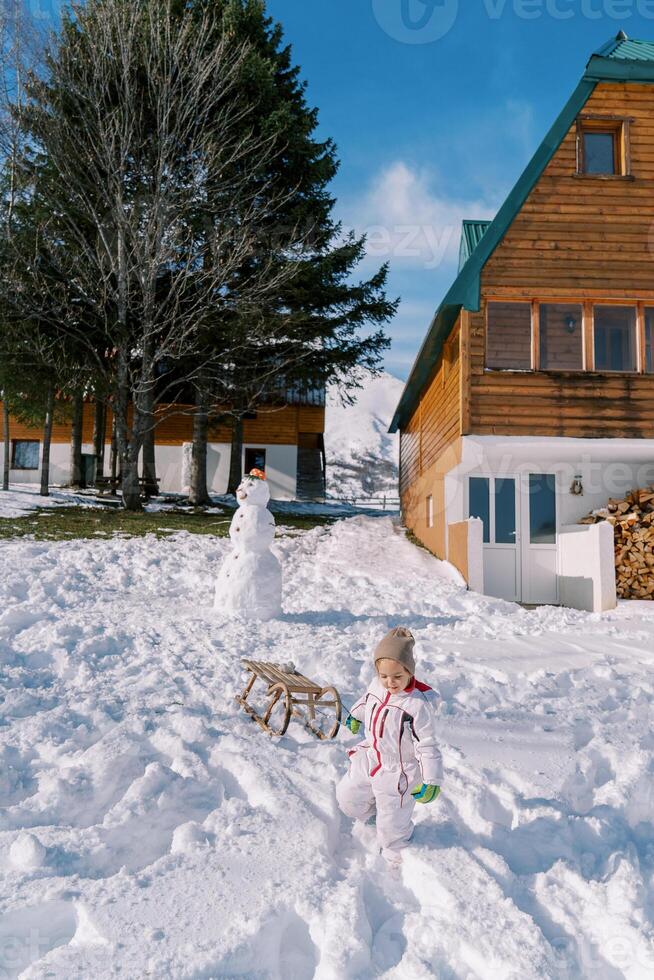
(250, 579)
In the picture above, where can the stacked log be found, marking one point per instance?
(633, 527)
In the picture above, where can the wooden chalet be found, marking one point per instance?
(286, 441)
(531, 401)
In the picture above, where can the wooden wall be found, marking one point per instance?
(60, 428)
(429, 437)
(436, 421)
(575, 239)
(280, 427)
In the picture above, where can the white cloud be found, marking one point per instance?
(407, 221)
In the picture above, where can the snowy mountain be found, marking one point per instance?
(362, 458)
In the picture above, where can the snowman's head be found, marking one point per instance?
(253, 490)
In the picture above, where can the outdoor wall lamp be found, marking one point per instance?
(577, 487)
(570, 324)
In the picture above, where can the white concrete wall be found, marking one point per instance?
(476, 554)
(59, 466)
(607, 467)
(281, 467)
(586, 566)
(169, 467)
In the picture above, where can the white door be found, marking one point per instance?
(540, 524)
(496, 500)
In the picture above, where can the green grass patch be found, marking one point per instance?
(69, 523)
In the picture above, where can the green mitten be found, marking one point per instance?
(353, 724)
(425, 793)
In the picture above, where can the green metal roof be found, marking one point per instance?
(472, 233)
(621, 48)
(622, 60)
(618, 60)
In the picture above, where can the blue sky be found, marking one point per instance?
(436, 107)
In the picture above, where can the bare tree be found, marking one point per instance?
(22, 41)
(144, 207)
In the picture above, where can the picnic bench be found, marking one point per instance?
(291, 694)
(111, 484)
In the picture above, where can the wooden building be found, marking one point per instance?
(286, 442)
(532, 398)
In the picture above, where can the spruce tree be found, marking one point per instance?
(321, 324)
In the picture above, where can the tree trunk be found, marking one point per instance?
(130, 470)
(47, 440)
(126, 442)
(199, 494)
(128, 447)
(113, 462)
(149, 460)
(99, 435)
(6, 442)
(76, 441)
(235, 462)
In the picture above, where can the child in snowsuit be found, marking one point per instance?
(399, 763)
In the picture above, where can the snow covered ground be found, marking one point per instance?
(362, 458)
(149, 829)
(22, 498)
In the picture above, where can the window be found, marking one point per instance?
(600, 153)
(649, 340)
(255, 459)
(615, 338)
(508, 336)
(603, 146)
(479, 502)
(493, 500)
(25, 454)
(542, 508)
(505, 511)
(430, 511)
(561, 337)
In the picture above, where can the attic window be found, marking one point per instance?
(603, 146)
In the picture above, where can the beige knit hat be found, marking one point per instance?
(397, 645)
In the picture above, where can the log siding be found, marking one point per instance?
(175, 426)
(436, 422)
(583, 241)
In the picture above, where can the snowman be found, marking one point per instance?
(250, 579)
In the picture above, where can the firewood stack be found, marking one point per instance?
(633, 526)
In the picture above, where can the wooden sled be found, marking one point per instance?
(295, 694)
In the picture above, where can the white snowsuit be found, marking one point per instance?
(398, 754)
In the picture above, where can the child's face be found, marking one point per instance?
(393, 676)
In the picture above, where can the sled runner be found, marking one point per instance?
(291, 694)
